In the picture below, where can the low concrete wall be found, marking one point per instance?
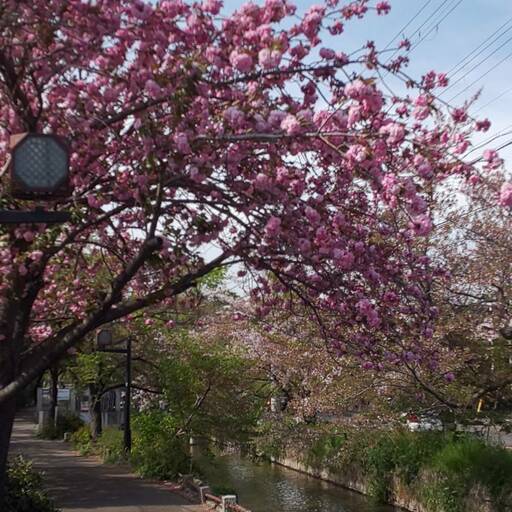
(402, 496)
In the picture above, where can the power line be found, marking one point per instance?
(452, 70)
(508, 56)
(402, 30)
(482, 61)
(439, 7)
(498, 135)
(436, 25)
(503, 146)
(506, 91)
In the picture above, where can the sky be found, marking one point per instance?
(451, 30)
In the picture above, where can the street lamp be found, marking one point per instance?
(39, 170)
(40, 166)
(104, 339)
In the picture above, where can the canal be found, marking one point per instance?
(266, 487)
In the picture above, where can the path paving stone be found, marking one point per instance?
(84, 484)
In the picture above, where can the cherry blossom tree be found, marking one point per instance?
(307, 378)
(473, 243)
(200, 140)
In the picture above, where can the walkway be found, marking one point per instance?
(84, 484)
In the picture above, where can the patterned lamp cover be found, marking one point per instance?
(39, 166)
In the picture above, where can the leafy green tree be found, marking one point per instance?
(97, 372)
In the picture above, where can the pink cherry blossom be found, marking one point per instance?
(327, 53)
(421, 225)
(241, 61)
(357, 153)
(273, 226)
(93, 201)
(182, 144)
(152, 88)
(312, 215)
(483, 125)
(395, 133)
(506, 194)
(269, 58)
(191, 127)
(291, 125)
(383, 8)
(459, 115)
(234, 116)
(212, 6)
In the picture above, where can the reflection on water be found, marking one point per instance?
(265, 487)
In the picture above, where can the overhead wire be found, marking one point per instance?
(439, 7)
(476, 66)
(438, 16)
(496, 98)
(436, 24)
(504, 59)
(498, 135)
(461, 64)
(404, 28)
(499, 148)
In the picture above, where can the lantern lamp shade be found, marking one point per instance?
(40, 166)
(104, 338)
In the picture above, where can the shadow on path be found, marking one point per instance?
(84, 484)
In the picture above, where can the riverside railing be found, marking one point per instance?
(226, 503)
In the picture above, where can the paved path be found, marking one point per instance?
(84, 484)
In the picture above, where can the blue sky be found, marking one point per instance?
(453, 35)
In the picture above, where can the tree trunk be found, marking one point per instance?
(7, 411)
(95, 411)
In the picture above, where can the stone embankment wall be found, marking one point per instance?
(402, 495)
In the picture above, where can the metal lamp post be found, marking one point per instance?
(103, 340)
(39, 170)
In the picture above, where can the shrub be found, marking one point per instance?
(400, 453)
(67, 422)
(24, 492)
(157, 451)
(48, 431)
(324, 450)
(465, 464)
(110, 446)
(82, 440)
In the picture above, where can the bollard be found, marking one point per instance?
(204, 489)
(227, 500)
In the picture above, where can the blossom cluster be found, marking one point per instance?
(184, 126)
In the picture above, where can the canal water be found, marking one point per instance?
(266, 487)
